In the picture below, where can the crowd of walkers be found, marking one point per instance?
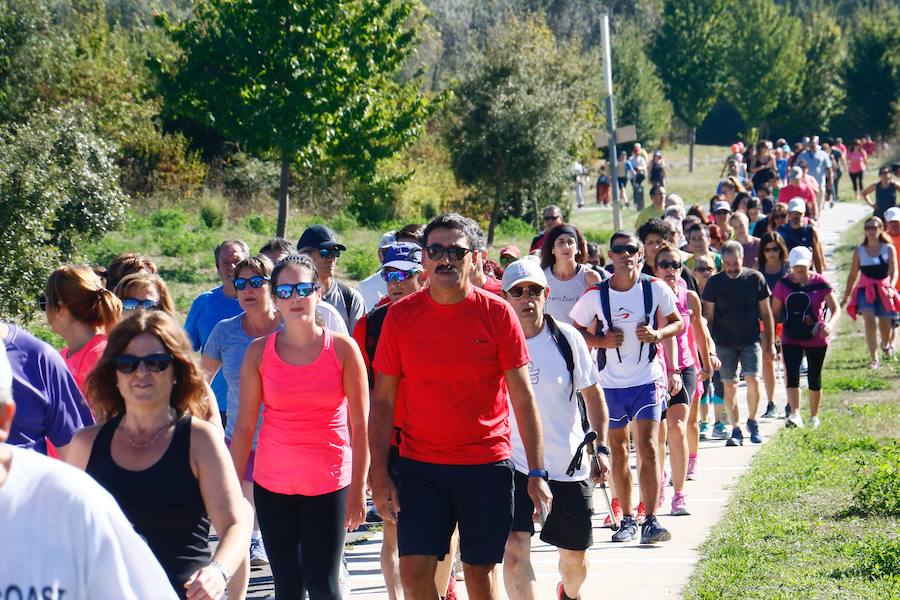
(470, 399)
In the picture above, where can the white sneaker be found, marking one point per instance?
(794, 421)
(814, 422)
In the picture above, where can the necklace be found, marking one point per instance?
(146, 444)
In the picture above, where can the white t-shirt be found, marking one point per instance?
(331, 318)
(627, 311)
(373, 289)
(63, 536)
(560, 418)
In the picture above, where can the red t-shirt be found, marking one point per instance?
(83, 362)
(793, 190)
(494, 285)
(451, 361)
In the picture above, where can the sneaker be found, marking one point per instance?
(874, 364)
(704, 431)
(653, 532)
(641, 513)
(662, 487)
(679, 505)
(258, 556)
(814, 422)
(373, 517)
(753, 427)
(719, 432)
(737, 437)
(770, 411)
(692, 468)
(561, 593)
(794, 421)
(787, 411)
(888, 353)
(617, 513)
(627, 530)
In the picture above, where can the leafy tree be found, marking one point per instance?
(691, 54)
(763, 70)
(640, 100)
(305, 81)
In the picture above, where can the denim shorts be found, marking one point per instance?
(748, 356)
(862, 305)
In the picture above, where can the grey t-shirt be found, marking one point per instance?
(335, 297)
(819, 162)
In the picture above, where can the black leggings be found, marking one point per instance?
(304, 538)
(856, 179)
(793, 356)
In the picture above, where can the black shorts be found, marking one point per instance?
(434, 498)
(568, 526)
(393, 457)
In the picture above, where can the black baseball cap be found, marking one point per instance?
(319, 236)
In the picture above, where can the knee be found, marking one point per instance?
(647, 447)
(517, 555)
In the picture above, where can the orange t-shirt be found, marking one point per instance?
(896, 240)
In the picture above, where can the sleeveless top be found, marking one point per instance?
(772, 278)
(885, 197)
(304, 442)
(801, 236)
(682, 338)
(163, 502)
(564, 294)
(874, 267)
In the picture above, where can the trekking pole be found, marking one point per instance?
(596, 462)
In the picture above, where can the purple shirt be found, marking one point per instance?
(48, 402)
(817, 299)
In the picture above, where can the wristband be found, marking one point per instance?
(222, 570)
(604, 450)
(542, 473)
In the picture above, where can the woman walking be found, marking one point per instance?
(857, 163)
(144, 291)
(309, 477)
(885, 192)
(563, 258)
(773, 264)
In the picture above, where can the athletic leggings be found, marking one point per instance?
(793, 356)
(304, 537)
(856, 179)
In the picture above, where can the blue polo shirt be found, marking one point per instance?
(208, 309)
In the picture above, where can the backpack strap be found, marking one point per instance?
(349, 300)
(565, 349)
(603, 289)
(374, 321)
(647, 292)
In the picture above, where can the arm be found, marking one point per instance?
(765, 314)
(813, 207)
(867, 191)
(777, 307)
(818, 254)
(831, 324)
(381, 426)
(521, 398)
(709, 311)
(698, 330)
(248, 406)
(892, 265)
(356, 387)
(78, 451)
(212, 415)
(210, 366)
(851, 278)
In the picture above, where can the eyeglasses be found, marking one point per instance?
(456, 253)
(630, 249)
(128, 363)
(779, 216)
(533, 291)
(304, 289)
(871, 227)
(552, 217)
(329, 252)
(704, 269)
(669, 264)
(256, 282)
(771, 249)
(42, 303)
(135, 303)
(398, 276)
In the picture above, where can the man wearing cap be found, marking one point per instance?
(734, 302)
(509, 254)
(319, 244)
(656, 210)
(372, 287)
(568, 525)
(820, 168)
(798, 232)
(456, 358)
(552, 217)
(797, 188)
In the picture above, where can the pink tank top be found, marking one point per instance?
(682, 339)
(304, 441)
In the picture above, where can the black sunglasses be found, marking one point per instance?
(134, 304)
(436, 252)
(328, 252)
(552, 217)
(669, 264)
(128, 363)
(517, 292)
(630, 249)
(704, 269)
(256, 282)
(397, 276)
(771, 249)
(303, 289)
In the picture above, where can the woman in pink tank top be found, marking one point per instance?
(309, 473)
(681, 423)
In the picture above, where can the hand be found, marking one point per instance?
(844, 301)
(675, 383)
(824, 329)
(599, 476)
(614, 338)
(539, 491)
(705, 374)
(205, 584)
(647, 334)
(714, 362)
(384, 494)
(355, 514)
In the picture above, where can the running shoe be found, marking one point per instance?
(888, 353)
(662, 487)
(561, 593)
(258, 556)
(874, 364)
(617, 513)
(753, 427)
(794, 421)
(641, 513)
(814, 422)
(627, 530)
(704, 431)
(653, 532)
(719, 432)
(770, 411)
(372, 516)
(692, 468)
(737, 437)
(679, 505)
(787, 411)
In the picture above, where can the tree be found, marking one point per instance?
(691, 55)
(305, 81)
(763, 71)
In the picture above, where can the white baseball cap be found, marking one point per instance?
(797, 205)
(800, 255)
(892, 214)
(523, 271)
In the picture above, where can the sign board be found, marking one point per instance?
(601, 138)
(624, 134)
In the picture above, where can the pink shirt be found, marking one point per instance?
(683, 339)
(817, 300)
(855, 160)
(83, 362)
(304, 441)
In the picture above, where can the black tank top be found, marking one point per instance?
(162, 502)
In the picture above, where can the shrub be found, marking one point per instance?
(184, 243)
(513, 227)
(875, 558)
(259, 224)
(169, 219)
(153, 163)
(342, 222)
(183, 274)
(598, 236)
(246, 177)
(879, 491)
(359, 263)
(212, 212)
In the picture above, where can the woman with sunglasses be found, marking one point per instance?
(144, 291)
(167, 468)
(772, 262)
(82, 311)
(777, 217)
(681, 414)
(871, 288)
(309, 475)
(563, 258)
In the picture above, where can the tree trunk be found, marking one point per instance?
(495, 214)
(283, 199)
(693, 140)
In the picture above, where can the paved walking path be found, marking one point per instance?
(631, 570)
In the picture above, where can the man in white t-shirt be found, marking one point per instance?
(628, 308)
(568, 525)
(63, 536)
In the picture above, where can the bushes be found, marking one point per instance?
(213, 212)
(359, 263)
(879, 491)
(260, 224)
(245, 177)
(169, 218)
(514, 228)
(154, 163)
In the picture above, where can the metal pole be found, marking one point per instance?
(610, 121)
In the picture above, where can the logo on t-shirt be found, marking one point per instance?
(622, 313)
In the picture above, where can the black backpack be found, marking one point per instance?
(374, 321)
(798, 317)
(647, 291)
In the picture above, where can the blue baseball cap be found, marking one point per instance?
(404, 256)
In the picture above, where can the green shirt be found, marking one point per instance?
(647, 213)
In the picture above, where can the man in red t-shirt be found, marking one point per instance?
(797, 188)
(458, 358)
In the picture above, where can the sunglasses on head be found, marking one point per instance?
(329, 252)
(256, 282)
(303, 289)
(669, 264)
(135, 304)
(630, 249)
(436, 252)
(397, 276)
(128, 363)
(517, 292)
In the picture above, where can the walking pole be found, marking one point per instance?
(589, 439)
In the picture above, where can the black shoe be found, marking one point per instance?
(770, 411)
(627, 530)
(737, 438)
(753, 428)
(373, 517)
(653, 532)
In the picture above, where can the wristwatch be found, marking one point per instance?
(542, 473)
